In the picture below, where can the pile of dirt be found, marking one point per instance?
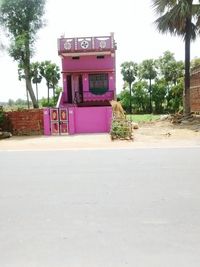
(191, 122)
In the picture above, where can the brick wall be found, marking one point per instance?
(25, 122)
(195, 91)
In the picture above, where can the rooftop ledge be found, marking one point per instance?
(86, 44)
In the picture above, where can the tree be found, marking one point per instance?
(51, 73)
(148, 72)
(21, 76)
(140, 97)
(22, 19)
(44, 102)
(182, 18)
(36, 76)
(171, 71)
(159, 94)
(129, 73)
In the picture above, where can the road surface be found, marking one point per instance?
(100, 208)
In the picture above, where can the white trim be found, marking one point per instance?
(59, 99)
(85, 54)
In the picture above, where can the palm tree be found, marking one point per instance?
(148, 72)
(36, 77)
(129, 73)
(181, 18)
(51, 73)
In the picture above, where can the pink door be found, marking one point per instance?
(54, 117)
(63, 114)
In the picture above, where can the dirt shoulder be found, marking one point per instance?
(149, 135)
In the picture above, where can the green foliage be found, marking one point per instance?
(51, 72)
(181, 17)
(140, 97)
(22, 19)
(158, 83)
(35, 73)
(124, 98)
(176, 96)
(129, 71)
(147, 69)
(158, 95)
(170, 69)
(148, 72)
(44, 102)
(143, 118)
(121, 129)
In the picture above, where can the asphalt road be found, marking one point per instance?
(106, 208)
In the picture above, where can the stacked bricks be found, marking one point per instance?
(195, 90)
(26, 122)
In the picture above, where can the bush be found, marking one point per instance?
(121, 129)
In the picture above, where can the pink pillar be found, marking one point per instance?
(47, 126)
(71, 118)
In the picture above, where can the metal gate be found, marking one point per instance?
(59, 121)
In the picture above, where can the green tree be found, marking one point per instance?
(51, 73)
(182, 18)
(22, 19)
(140, 97)
(176, 96)
(44, 102)
(148, 72)
(129, 73)
(171, 71)
(124, 98)
(21, 76)
(159, 94)
(36, 76)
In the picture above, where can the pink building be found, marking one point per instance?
(88, 72)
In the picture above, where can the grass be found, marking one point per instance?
(143, 117)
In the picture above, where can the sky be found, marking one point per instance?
(131, 21)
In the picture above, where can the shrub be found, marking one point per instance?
(121, 129)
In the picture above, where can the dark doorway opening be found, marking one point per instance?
(69, 89)
(80, 90)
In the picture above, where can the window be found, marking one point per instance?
(98, 83)
(76, 58)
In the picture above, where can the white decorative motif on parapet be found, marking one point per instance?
(84, 44)
(102, 44)
(67, 45)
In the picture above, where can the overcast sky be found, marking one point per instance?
(131, 21)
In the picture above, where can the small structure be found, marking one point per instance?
(88, 73)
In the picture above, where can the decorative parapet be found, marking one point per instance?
(86, 44)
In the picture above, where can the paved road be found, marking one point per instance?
(107, 208)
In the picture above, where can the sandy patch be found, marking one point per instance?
(157, 134)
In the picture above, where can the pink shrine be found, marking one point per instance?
(89, 84)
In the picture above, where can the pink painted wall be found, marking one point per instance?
(88, 63)
(46, 116)
(89, 119)
(83, 120)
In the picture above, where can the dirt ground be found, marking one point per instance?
(153, 135)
